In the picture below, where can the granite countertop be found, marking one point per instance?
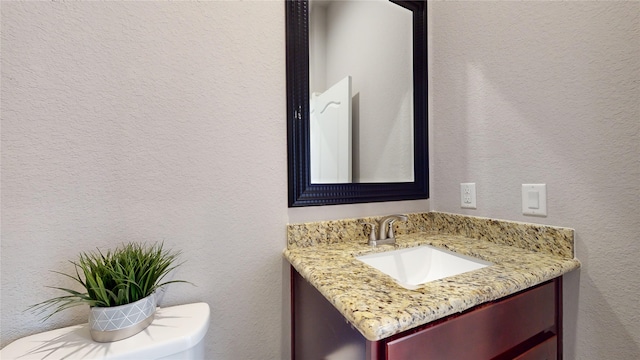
(378, 307)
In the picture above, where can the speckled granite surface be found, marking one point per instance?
(524, 255)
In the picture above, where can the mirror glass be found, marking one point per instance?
(356, 101)
(361, 91)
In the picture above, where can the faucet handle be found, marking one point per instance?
(393, 219)
(390, 236)
(372, 233)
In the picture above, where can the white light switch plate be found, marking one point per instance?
(534, 199)
(468, 195)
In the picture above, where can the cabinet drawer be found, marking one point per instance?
(546, 350)
(484, 332)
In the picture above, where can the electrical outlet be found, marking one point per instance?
(468, 195)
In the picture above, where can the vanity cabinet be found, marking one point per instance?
(525, 325)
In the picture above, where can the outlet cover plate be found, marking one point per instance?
(534, 199)
(468, 195)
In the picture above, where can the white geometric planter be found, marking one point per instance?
(119, 322)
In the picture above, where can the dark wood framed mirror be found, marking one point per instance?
(304, 192)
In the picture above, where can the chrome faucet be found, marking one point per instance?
(384, 234)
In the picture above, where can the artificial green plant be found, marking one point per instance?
(125, 275)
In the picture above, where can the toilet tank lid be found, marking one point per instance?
(174, 329)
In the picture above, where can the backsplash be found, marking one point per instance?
(553, 240)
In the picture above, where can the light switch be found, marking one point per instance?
(534, 199)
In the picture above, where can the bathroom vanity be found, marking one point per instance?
(345, 309)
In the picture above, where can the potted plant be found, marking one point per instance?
(119, 286)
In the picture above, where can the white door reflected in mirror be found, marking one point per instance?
(330, 139)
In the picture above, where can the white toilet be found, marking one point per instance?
(175, 333)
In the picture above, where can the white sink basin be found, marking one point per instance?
(415, 266)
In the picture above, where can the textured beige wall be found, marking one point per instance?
(148, 121)
(549, 92)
